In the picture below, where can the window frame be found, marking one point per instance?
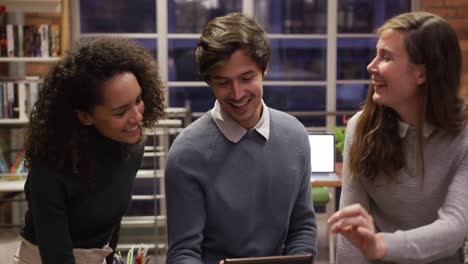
(162, 37)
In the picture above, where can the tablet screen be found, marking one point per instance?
(289, 259)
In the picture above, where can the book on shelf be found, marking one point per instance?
(10, 38)
(10, 100)
(20, 40)
(18, 162)
(44, 32)
(32, 94)
(3, 33)
(17, 96)
(13, 168)
(3, 42)
(4, 87)
(3, 162)
(54, 42)
(36, 43)
(17, 40)
(28, 41)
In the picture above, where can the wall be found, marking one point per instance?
(456, 12)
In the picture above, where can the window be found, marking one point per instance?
(117, 16)
(320, 48)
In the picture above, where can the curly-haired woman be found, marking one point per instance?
(83, 148)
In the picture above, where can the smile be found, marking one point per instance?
(377, 82)
(240, 104)
(132, 128)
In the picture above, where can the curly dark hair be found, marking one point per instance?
(54, 133)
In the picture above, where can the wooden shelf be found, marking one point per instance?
(13, 121)
(12, 186)
(29, 59)
(14, 174)
(43, 6)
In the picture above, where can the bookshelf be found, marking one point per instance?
(16, 69)
(37, 39)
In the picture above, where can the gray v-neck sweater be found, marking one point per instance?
(244, 199)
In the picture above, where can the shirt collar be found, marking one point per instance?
(232, 130)
(404, 127)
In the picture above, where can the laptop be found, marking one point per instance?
(322, 155)
(288, 259)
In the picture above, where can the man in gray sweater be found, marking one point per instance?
(238, 178)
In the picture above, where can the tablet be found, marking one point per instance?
(289, 259)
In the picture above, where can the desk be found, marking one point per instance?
(332, 181)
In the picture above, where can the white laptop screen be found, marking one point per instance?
(322, 152)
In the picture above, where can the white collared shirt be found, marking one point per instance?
(403, 129)
(232, 130)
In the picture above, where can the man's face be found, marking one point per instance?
(238, 87)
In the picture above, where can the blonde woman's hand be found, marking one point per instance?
(357, 225)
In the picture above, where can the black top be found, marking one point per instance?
(64, 214)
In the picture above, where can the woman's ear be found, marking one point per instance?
(420, 74)
(84, 118)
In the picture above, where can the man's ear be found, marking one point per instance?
(84, 118)
(265, 72)
(420, 74)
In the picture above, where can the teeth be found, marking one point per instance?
(239, 104)
(378, 83)
(132, 129)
